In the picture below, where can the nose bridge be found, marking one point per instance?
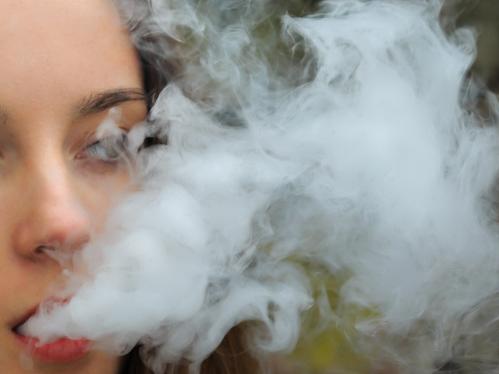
(55, 215)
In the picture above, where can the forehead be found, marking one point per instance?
(62, 47)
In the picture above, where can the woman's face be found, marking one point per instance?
(63, 65)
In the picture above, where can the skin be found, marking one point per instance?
(55, 185)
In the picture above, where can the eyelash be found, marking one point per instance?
(112, 151)
(107, 150)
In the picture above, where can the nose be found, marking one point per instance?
(53, 217)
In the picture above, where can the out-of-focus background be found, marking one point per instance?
(483, 16)
(327, 350)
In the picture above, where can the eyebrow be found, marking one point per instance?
(98, 102)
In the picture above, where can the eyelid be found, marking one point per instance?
(92, 137)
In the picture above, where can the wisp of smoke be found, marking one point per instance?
(344, 139)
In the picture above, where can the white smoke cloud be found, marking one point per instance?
(358, 153)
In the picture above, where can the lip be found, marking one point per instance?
(61, 350)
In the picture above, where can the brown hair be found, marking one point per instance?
(231, 357)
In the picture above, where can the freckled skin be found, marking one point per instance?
(52, 190)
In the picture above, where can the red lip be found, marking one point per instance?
(59, 351)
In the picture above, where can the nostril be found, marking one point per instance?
(43, 249)
(56, 253)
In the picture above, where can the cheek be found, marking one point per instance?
(102, 193)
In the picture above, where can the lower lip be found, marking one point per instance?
(59, 351)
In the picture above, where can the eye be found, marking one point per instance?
(108, 150)
(102, 152)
